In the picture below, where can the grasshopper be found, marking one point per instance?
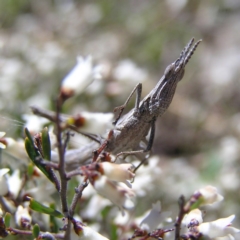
(130, 132)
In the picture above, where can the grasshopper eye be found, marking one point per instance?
(169, 69)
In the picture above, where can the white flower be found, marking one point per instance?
(92, 122)
(34, 123)
(193, 216)
(209, 195)
(79, 77)
(219, 228)
(14, 182)
(154, 217)
(3, 181)
(117, 172)
(87, 233)
(22, 217)
(17, 150)
(115, 193)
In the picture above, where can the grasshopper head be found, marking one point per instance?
(177, 68)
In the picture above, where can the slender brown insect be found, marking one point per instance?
(131, 130)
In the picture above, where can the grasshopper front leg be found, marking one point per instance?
(138, 89)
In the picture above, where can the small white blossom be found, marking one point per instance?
(115, 193)
(79, 77)
(210, 195)
(3, 181)
(118, 172)
(14, 182)
(219, 228)
(154, 217)
(194, 215)
(34, 123)
(17, 150)
(92, 122)
(88, 233)
(22, 217)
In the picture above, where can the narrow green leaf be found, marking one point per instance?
(46, 144)
(38, 207)
(30, 169)
(7, 219)
(53, 221)
(34, 155)
(36, 230)
(28, 135)
(31, 151)
(113, 232)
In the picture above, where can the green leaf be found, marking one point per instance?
(53, 222)
(46, 144)
(105, 211)
(31, 150)
(38, 207)
(34, 155)
(30, 169)
(7, 219)
(29, 136)
(36, 230)
(113, 232)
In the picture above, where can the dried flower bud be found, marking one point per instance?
(2, 140)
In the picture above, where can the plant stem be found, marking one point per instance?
(181, 214)
(77, 196)
(62, 173)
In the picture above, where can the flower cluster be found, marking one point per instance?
(218, 229)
